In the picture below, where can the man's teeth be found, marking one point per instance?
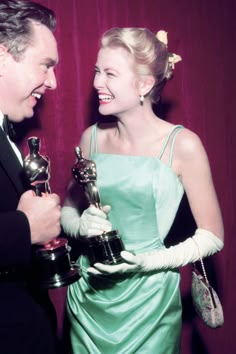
(105, 97)
(37, 95)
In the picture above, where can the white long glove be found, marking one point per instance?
(173, 257)
(93, 221)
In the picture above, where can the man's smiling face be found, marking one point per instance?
(22, 82)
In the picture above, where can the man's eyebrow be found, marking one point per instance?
(51, 62)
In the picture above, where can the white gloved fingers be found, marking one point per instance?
(94, 219)
(129, 257)
(98, 230)
(116, 268)
(93, 228)
(93, 222)
(106, 209)
(133, 264)
(93, 211)
(93, 271)
(138, 262)
(96, 226)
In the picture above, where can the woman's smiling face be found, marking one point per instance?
(116, 81)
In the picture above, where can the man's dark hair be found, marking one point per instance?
(16, 17)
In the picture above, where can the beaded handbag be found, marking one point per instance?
(205, 299)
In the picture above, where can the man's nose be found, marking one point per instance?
(51, 81)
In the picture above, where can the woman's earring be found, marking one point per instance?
(141, 100)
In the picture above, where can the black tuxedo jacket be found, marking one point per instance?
(15, 244)
(26, 314)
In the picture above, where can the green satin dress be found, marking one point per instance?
(139, 312)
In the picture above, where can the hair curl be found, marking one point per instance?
(16, 17)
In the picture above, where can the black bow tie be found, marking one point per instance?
(8, 128)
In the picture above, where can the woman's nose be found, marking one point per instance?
(98, 81)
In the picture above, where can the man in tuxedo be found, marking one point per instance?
(28, 55)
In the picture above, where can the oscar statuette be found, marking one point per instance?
(50, 262)
(104, 248)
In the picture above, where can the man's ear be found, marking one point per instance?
(146, 84)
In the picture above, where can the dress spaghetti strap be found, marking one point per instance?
(93, 141)
(173, 133)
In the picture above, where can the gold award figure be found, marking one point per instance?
(51, 262)
(103, 248)
(86, 175)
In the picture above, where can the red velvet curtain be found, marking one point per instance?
(201, 97)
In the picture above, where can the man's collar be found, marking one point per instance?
(1, 118)
(8, 127)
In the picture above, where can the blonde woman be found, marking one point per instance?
(144, 165)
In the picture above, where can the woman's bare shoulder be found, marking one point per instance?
(188, 144)
(103, 129)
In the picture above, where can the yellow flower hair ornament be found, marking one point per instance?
(172, 57)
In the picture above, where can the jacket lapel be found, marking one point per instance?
(11, 164)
